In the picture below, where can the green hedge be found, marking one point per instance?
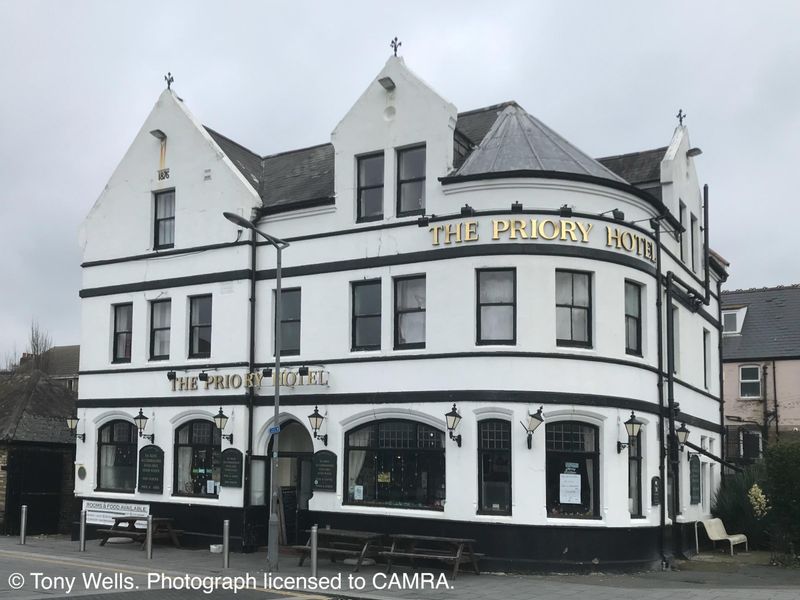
(782, 462)
(732, 505)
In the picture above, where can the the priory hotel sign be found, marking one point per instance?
(234, 381)
(564, 230)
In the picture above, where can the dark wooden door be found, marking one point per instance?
(35, 477)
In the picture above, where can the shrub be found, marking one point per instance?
(733, 504)
(782, 486)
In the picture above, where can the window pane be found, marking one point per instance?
(368, 331)
(496, 286)
(201, 310)
(412, 163)
(371, 202)
(631, 334)
(580, 325)
(161, 313)
(201, 340)
(290, 336)
(166, 232)
(497, 323)
(495, 435)
(201, 433)
(411, 328)
(750, 373)
(165, 205)
(751, 389)
(370, 171)
(632, 304)
(124, 314)
(412, 196)
(161, 342)
(729, 322)
(410, 293)
(563, 323)
(496, 481)
(563, 287)
(290, 305)
(580, 289)
(122, 349)
(397, 434)
(367, 299)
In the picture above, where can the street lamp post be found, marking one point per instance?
(274, 525)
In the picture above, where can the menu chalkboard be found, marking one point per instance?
(231, 468)
(288, 514)
(151, 469)
(655, 491)
(694, 480)
(323, 471)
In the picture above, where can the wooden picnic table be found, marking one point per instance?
(125, 526)
(445, 549)
(341, 542)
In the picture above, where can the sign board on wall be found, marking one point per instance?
(323, 471)
(231, 469)
(655, 491)
(694, 480)
(100, 512)
(570, 488)
(151, 469)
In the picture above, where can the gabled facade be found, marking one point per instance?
(440, 263)
(761, 366)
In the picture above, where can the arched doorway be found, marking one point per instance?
(293, 472)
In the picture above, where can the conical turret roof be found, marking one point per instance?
(518, 141)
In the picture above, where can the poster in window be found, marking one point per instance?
(358, 492)
(570, 488)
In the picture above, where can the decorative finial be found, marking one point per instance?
(395, 44)
(681, 116)
(169, 79)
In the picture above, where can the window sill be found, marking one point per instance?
(496, 343)
(493, 513)
(164, 247)
(393, 507)
(125, 361)
(574, 345)
(110, 491)
(195, 496)
(158, 358)
(411, 213)
(410, 347)
(199, 357)
(370, 219)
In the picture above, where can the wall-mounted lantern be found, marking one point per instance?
(203, 376)
(534, 420)
(682, 433)
(221, 420)
(453, 419)
(141, 423)
(315, 419)
(632, 426)
(171, 375)
(72, 424)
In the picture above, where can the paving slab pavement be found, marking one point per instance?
(56, 556)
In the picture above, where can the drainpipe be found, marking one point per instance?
(765, 426)
(251, 392)
(674, 457)
(719, 364)
(775, 399)
(706, 252)
(656, 225)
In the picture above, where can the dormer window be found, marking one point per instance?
(411, 181)
(164, 227)
(370, 187)
(732, 320)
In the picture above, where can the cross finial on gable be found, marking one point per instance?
(169, 79)
(395, 44)
(681, 116)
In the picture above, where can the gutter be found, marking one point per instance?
(706, 251)
(656, 224)
(251, 392)
(775, 399)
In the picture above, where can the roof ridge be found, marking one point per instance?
(789, 286)
(266, 156)
(663, 148)
(30, 385)
(235, 143)
(502, 105)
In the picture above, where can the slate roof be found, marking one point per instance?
(34, 408)
(518, 141)
(62, 361)
(637, 167)
(305, 177)
(771, 327)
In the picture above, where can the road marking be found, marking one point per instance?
(95, 565)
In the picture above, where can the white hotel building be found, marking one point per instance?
(436, 259)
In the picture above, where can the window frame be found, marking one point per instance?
(156, 220)
(693, 235)
(638, 351)
(483, 451)
(682, 218)
(280, 321)
(354, 285)
(399, 182)
(635, 461)
(134, 445)
(572, 343)
(594, 455)
(347, 448)
(360, 188)
(757, 380)
(479, 341)
(398, 312)
(116, 333)
(192, 327)
(214, 433)
(706, 358)
(153, 329)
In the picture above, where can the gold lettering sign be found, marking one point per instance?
(235, 381)
(564, 230)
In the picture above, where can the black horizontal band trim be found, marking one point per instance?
(682, 299)
(166, 367)
(759, 359)
(284, 208)
(171, 282)
(428, 396)
(584, 178)
(698, 390)
(158, 401)
(462, 251)
(163, 253)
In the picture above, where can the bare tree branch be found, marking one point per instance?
(39, 342)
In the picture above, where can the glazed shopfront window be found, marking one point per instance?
(573, 470)
(395, 463)
(494, 462)
(116, 450)
(197, 459)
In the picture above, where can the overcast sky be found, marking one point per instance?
(77, 79)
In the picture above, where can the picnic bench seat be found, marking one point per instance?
(452, 551)
(715, 529)
(341, 542)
